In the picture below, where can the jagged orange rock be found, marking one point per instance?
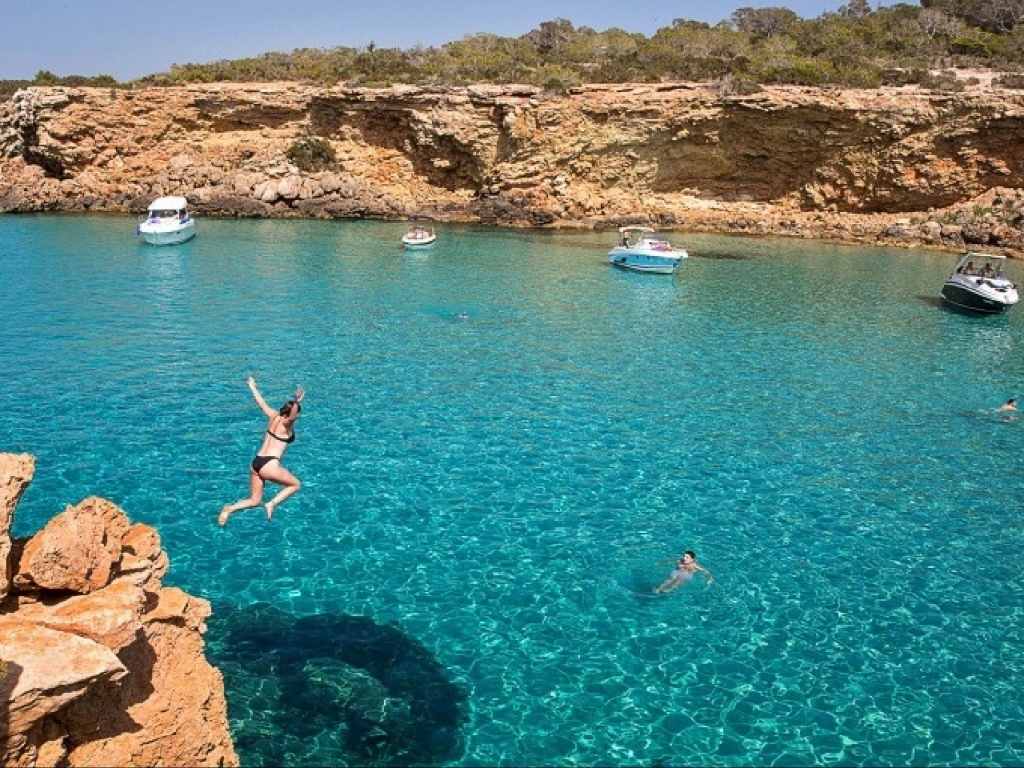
(77, 551)
(143, 561)
(15, 474)
(45, 669)
(115, 675)
(111, 616)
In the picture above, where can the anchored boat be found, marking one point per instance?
(167, 222)
(420, 233)
(638, 250)
(979, 283)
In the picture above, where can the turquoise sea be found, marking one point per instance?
(465, 577)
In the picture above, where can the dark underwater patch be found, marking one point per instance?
(711, 256)
(333, 689)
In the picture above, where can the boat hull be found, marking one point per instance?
(978, 295)
(416, 243)
(640, 261)
(162, 234)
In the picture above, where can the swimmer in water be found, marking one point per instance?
(686, 566)
(1009, 405)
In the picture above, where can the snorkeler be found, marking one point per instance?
(686, 566)
(267, 464)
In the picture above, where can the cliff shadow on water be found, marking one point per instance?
(333, 689)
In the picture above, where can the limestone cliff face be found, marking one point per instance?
(891, 165)
(100, 664)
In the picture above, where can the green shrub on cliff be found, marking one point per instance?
(853, 46)
(45, 77)
(795, 70)
(557, 79)
(312, 154)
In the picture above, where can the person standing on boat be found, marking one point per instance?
(267, 464)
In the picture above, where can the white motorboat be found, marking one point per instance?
(638, 250)
(420, 233)
(978, 283)
(167, 222)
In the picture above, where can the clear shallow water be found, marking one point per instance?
(465, 577)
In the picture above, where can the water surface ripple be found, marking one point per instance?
(486, 499)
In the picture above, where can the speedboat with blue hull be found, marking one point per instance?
(639, 251)
(979, 283)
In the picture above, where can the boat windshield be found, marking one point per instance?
(983, 268)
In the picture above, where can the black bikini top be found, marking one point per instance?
(288, 440)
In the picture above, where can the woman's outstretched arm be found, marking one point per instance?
(270, 412)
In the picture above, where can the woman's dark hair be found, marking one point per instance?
(286, 409)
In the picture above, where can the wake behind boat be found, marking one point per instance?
(638, 250)
(979, 284)
(167, 222)
(420, 233)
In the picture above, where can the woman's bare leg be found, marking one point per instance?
(281, 476)
(256, 485)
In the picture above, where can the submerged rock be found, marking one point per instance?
(336, 689)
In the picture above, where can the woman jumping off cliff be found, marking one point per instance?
(267, 464)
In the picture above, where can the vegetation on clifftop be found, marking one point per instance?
(853, 47)
(45, 77)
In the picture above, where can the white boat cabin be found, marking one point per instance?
(171, 207)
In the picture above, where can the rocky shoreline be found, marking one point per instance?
(897, 166)
(100, 664)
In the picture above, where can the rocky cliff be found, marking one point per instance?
(897, 165)
(100, 664)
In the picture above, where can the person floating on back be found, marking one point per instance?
(686, 566)
(267, 464)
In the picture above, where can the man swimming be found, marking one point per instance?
(686, 566)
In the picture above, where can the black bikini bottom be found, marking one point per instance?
(261, 461)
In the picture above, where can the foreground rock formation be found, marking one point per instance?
(897, 165)
(100, 665)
